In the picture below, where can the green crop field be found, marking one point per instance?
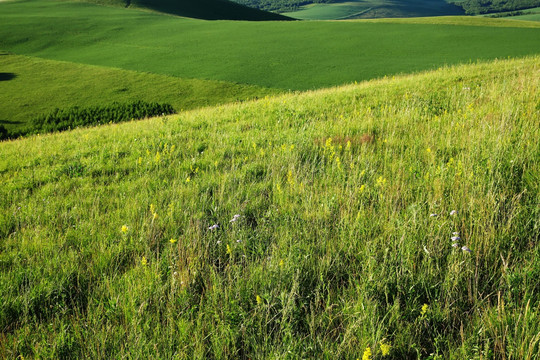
(286, 55)
(392, 219)
(358, 9)
(32, 86)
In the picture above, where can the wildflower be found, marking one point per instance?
(453, 212)
(465, 248)
(124, 229)
(385, 348)
(188, 179)
(229, 250)
(239, 241)
(144, 261)
(428, 150)
(456, 245)
(367, 354)
(455, 233)
(218, 242)
(281, 264)
(362, 188)
(381, 181)
(424, 309)
(172, 241)
(154, 216)
(213, 227)
(433, 215)
(259, 300)
(455, 238)
(235, 217)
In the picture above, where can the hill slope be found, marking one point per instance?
(281, 54)
(198, 9)
(108, 247)
(38, 86)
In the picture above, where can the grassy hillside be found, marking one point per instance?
(369, 9)
(199, 9)
(31, 86)
(287, 55)
(108, 246)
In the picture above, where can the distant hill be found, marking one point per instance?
(199, 9)
(357, 9)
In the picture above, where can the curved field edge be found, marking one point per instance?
(109, 247)
(37, 86)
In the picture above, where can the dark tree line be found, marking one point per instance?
(279, 5)
(474, 7)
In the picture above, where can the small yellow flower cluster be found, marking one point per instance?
(367, 354)
(153, 212)
(381, 181)
(424, 310)
(259, 300)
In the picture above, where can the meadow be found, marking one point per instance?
(33, 86)
(295, 55)
(390, 219)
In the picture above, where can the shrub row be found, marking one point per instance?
(65, 119)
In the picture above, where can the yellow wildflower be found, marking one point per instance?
(281, 264)
(367, 354)
(385, 348)
(172, 241)
(259, 300)
(125, 229)
(362, 188)
(428, 150)
(424, 310)
(144, 261)
(229, 250)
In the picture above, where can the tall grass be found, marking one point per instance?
(109, 248)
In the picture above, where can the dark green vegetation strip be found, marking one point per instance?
(108, 248)
(65, 119)
(281, 5)
(32, 86)
(288, 55)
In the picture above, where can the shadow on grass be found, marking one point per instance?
(7, 76)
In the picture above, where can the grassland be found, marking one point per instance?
(366, 9)
(32, 86)
(108, 248)
(288, 55)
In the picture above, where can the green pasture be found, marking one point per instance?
(286, 55)
(32, 86)
(393, 219)
(375, 9)
(534, 16)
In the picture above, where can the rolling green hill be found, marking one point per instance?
(30, 87)
(293, 55)
(393, 219)
(199, 9)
